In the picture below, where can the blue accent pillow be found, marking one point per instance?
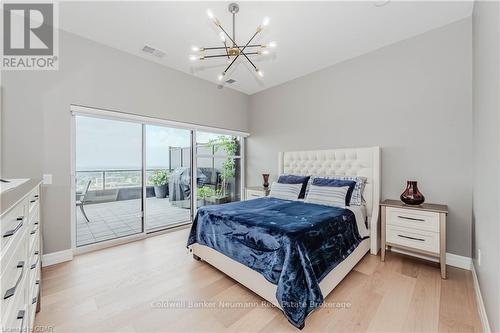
(294, 179)
(332, 182)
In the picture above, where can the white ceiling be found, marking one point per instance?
(310, 35)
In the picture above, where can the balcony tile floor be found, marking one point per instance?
(123, 218)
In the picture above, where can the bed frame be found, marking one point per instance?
(349, 162)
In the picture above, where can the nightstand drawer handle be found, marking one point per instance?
(411, 218)
(418, 239)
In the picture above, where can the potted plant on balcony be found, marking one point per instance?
(203, 193)
(160, 182)
(230, 146)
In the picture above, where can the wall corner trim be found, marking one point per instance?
(480, 303)
(53, 258)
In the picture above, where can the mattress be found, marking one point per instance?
(293, 244)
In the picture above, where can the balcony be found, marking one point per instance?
(113, 205)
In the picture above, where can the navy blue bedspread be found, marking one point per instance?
(291, 243)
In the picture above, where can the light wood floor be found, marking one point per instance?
(120, 289)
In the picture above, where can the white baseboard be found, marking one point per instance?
(459, 261)
(57, 257)
(480, 303)
(451, 259)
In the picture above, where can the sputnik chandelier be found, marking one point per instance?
(231, 49)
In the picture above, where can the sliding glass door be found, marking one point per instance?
(168, 177)
(114, 159)
(218, 168)
(135, 176)
(108, 179)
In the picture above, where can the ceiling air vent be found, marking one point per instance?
(153, 51)
(230, 81)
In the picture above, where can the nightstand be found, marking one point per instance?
(256, 192)
(419, 229)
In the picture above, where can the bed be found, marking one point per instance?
(275, 244)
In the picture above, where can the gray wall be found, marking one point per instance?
(36, 116)
(486, 111)
(412, 98)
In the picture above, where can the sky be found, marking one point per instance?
(110, 144)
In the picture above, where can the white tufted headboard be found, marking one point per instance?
(363, 162)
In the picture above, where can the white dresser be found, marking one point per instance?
(419, 229)
(20, 256)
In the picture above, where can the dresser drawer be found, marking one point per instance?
(13, 281)
(34, 292)
(34, 266)
(17, 318)
(413, 238)
(12, 225)
(33, 200)
(32, 303)
(34, 237)
(34, 217)
(408, 218)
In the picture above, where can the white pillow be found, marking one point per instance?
(357, 193)
(327, 195)
(285, 191)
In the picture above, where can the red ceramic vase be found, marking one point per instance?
(412, 196)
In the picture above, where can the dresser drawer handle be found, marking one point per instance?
(413, 238)
(10, 292)
(37, 259)
(12, 232)
(411, 218)
(34, 200)
(35, 299)
(34, 229)
(20, 315)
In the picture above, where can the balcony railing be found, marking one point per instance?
(112, 178)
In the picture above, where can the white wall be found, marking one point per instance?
(36, 116)
(412, 98)
(486, 106)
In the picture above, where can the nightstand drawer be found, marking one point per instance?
(408, 218)
(254, 193)
(413, 238)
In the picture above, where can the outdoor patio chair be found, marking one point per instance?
(80, 199)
